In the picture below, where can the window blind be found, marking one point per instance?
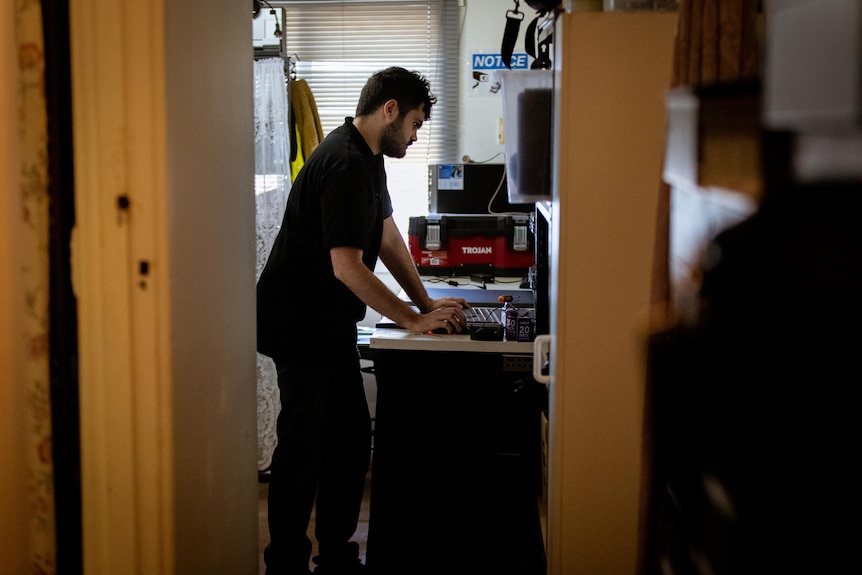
(339, 44)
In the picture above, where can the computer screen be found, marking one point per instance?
(470, 189)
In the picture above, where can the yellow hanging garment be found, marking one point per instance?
(304, 110)
(298, 160)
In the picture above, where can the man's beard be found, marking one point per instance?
(391, 143)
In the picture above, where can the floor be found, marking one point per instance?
(360, 536)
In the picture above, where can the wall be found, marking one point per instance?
(163, 116)
(210, 209)
(479, 116)
(14, 532)
(27, 495)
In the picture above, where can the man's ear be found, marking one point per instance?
(390, 110)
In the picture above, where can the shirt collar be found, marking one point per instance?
(357, 136)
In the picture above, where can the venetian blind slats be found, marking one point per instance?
(340, 44)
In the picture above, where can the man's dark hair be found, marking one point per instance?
(409, 89)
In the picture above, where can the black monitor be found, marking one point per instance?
(469, 189)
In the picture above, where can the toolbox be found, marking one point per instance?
(459, 244)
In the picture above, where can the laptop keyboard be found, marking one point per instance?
(487, 319)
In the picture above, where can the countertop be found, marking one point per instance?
(384, 338)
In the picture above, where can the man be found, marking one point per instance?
(315, 287)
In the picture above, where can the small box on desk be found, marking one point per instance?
(448, 244)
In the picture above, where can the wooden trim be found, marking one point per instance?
(118, 115)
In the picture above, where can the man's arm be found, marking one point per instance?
(396, 257)
(349, 269)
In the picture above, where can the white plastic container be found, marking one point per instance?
(527, 127)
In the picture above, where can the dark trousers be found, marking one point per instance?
(323, 451)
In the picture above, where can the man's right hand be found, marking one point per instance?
(450, 318)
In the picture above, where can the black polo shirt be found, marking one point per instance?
(339, 198)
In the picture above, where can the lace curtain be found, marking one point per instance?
(271, 185)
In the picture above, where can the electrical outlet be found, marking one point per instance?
(519, 363)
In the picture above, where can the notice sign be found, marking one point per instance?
(484, 81)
